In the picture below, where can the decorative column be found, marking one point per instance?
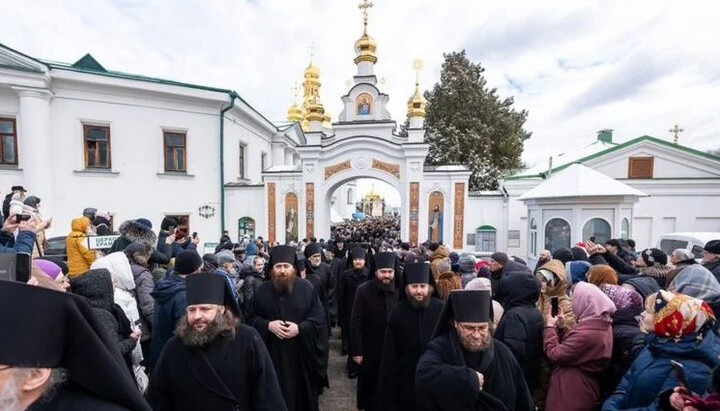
(34, 143)
(271, 211)
(278, 154)
(288, 157)
(459, 216)
(309, 210)
(414, 212)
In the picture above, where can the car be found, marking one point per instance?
(56, 248)
(693, 242)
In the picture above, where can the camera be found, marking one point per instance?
(15, 267)
(22, 217)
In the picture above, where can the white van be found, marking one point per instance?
(693, 242)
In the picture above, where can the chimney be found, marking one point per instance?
(605, 135)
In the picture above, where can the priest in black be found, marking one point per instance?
(408, 332)
(373, 302)
(347, 285)
(314, 264)
(291, 320)
(213, 362)
(56, 355)
(464, 368)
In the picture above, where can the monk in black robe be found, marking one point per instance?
(314, 265)
(347, 285)
(463, 367)
(373, 302)
(213, 362)
(408, 332)
(292, 321)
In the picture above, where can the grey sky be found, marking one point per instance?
(578, 66)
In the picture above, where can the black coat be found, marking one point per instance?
(496, 277)
(407, 335)
(71, 397)
(625, 331)
(300, 362)
(444, 381)
(347, 285)
(370, 313)
(326, 280)
(183, 378)
(714, 268)
(521, 326)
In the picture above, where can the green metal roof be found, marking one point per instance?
(616, 148)
(88, 62)
(486, 228)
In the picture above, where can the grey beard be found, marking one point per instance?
(10, 394)
(194, 338)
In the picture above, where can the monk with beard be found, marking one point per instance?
(464, 368)
(374, 300)
(408, 332)
(292, 321)
(213, 362)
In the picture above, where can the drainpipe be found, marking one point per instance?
(233, 95)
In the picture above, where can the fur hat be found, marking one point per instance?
(653, 256)
(713, 247)
(563, 254)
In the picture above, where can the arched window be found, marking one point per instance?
(246, 226)
(533, 237)
(350, 196)
(625, 229)
(557, 234)
(598, 228)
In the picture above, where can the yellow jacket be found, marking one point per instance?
(79, 257)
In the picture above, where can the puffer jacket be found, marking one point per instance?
(170, 304)
(146, 304)
(560, 291)
(252, 281)
(651, 373)
(521, 326)
(79, 257)
(439, 255)
(124, 290)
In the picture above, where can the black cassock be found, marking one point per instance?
(300, 362)
(347, 284)
(370, 313)
(408, 333)
(446, 378)
(227, 374)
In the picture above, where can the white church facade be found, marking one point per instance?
(80, 135)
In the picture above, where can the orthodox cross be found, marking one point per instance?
(417, 66)
(311, 47)
(676, 130)
(294, 90)
(364, 6)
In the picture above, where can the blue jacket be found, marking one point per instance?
(23, 244)
(651, 372)
(170, 305)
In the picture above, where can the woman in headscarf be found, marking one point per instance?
(697, 281)
(583, 353)
(602, 274)
(52, 271)
(681, 330)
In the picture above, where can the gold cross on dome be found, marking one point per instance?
(676, 131)
(311, 47)
(365, 6)
(294, 90)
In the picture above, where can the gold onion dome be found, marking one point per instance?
(312, 71)
(295, 113)
(315, 110)
(365, 48)
(416, 102)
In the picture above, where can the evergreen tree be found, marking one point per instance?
(469, 124)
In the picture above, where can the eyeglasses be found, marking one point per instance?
(472, 330)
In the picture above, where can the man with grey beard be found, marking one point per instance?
(407, 334)
(55, 355)
(464, 368)
(293, 323)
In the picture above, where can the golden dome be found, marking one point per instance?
(312, 71)
(365, 48)
(416, 104)
(315, 110)
(295, 113)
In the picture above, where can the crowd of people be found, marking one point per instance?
(149, 323)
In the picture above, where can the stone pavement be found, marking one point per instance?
(341, 394)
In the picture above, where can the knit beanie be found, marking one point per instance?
(224, 257)
(563, 254)
(144, 222)
(653, 256)
(454, 257)
(467, 263)
(579, 254)
(187, 262)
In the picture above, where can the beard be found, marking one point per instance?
(474, 346)
(10, 394)
(284, 283)
(422, 303)
(223, 325)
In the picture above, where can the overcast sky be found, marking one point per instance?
(637, 67)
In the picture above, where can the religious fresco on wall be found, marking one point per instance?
(364, 103)
(459, 223)
(414, 204)
(271, 211)
(436, 207)
(309, 210)
(291, 218)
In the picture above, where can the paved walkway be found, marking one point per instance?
(341, 394)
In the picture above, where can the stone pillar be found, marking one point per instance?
(34, 150)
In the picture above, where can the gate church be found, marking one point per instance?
(363, 144)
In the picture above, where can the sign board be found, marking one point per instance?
(209, 248)
(99, 242)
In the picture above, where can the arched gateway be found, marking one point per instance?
(363, 144)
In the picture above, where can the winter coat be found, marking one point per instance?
(497, 276)
(251, 283)
(673, 272)
(96, 285)
(22, 244)
(521, 326)
(626, 271)
(39, 246)
(132, 231)
(146, 304)
(578, 362)
(170, 305)
(560, 291)
(651, 373)
(625, 331)
(79, 257)
(714, 268)
(438, 255)
(124, 290)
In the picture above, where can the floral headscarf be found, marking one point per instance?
(678, 315)
(622, 297)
